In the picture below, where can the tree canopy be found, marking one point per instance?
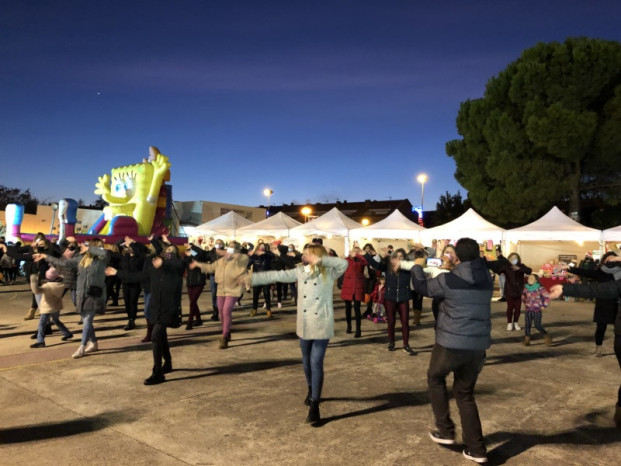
(17, 196)
(449, 207)
(546, 131)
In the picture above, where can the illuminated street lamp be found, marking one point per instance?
(365, 222)
(422, 179)
(54, 209)
(268, 192)
(306, 211)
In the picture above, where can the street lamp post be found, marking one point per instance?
(268, 192)
(422, 179)
(306, 211)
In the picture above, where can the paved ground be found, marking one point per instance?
(539, 405)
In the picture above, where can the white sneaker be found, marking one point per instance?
(516, 326)
(279, 305)
(264, 305)
(79, 353)
(509, 327)
(91, 347)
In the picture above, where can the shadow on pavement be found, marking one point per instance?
(240, 368)
(48, 430)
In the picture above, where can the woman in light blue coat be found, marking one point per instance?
(315, 317)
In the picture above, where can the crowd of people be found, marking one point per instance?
(459, 281)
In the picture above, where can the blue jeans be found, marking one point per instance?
(147, 302)
(88, 331)
(213, 287)
(313, 352)
(44, 319)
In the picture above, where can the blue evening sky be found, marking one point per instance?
(318, 100)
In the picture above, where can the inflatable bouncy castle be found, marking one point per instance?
(139, 204)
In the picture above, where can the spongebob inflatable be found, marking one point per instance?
(133, 193)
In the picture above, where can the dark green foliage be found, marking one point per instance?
(547, 131)
(449, 207)
(17, 196)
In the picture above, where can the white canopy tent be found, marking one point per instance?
(468, 225)
(612, 234)
(278, 225)
(553, 226)
(225, 225)
(395, 226)
(334, 222)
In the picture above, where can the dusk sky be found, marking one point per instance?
(318, 100)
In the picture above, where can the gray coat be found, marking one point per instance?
(464, 320)
(315, 320)
(94, 275)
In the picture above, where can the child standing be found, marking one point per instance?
(377, 297)
(51, 304)
(535, 298)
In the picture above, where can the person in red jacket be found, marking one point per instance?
(353, 288)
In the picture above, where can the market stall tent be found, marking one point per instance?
(395, 226)
(468, 225)
(553, 226)
(612, 234)
(225, 225)
(278, 225)
(332, 223)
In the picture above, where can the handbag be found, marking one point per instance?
(94, 291)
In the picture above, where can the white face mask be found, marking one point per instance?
(230, 250)
(218, 246)
(514, 261)
(290, 249)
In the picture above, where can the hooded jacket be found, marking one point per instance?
(464, 319)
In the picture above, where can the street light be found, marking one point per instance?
(268, 192)
(365, 222)
(306, 211)
(422, 179)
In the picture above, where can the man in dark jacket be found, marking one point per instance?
(463, 333)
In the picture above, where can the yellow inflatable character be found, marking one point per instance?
(133, 191)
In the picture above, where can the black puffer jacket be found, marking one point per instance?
(397, 284)
(464, 320)
(261, 263)
(194, 277)
(166, 285)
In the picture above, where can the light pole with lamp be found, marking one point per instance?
(422, 179)
(306, 211)
(268, 192)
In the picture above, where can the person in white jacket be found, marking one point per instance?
(315, 315)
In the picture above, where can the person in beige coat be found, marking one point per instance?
(315, 316)
(229, 271)
(51, 304)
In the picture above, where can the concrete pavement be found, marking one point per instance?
(244, 405)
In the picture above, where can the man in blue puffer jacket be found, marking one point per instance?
(463, 333)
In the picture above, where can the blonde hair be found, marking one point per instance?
(319, 251)
(88, 258)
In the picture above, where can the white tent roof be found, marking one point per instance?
(277, 225)
(468, 225)
(333, 222)
(612, 234)
(225, 225)
(396, 226)
(553, 226)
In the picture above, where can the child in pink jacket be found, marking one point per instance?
(535, 298)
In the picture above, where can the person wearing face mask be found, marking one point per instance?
(229, 271)
(69, 249)
(514, 272)
(261, 260)
(195, 283)
(605, 312)
(213, 255)
(352, 291)
(132, 263)
(40, 245)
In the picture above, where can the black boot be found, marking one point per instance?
(167, 367)
(214, 316)
(358, 333)
(313, 417)
(308, 396)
